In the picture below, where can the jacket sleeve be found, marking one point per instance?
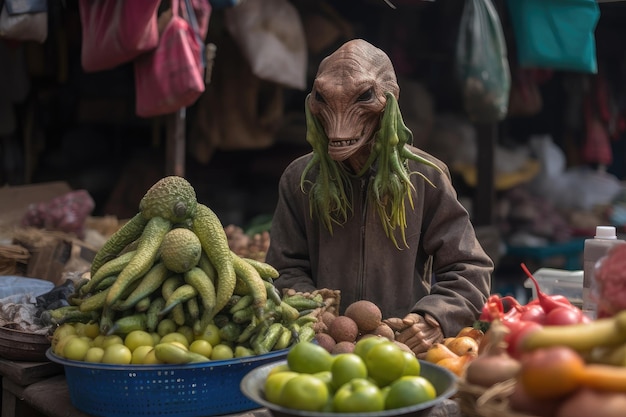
(461, 268)
(289, 247)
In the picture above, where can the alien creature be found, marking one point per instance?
(368, 214)
(353, 116)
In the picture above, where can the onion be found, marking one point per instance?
(586, 402)
(488, 370)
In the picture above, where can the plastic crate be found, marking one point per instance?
(190, 390)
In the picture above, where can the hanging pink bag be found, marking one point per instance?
(172, 76)
(115, 32)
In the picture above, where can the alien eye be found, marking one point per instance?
(366, 96)
(319, 97)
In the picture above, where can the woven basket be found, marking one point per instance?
(477, 401)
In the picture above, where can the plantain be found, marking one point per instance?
(197, 278)
(125, 235)
(609, 331)
(253, 280)
(127, 324)
(173, 354)
(150, 283)
(145, 256)
(94, 302)
(214, 241)
(265, 270)
(152, 314)
(111, 268)
(67, 314)
(179, 296)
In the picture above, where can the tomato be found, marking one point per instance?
(345, 367)
(563, 315)
(358, 395)
(551, 372)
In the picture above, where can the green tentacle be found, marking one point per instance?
(329, 193)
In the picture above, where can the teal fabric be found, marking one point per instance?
(556, 34)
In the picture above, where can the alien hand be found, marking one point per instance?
(419, 333)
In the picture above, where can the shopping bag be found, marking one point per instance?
(24, 20)
(557, 34)
(482, 63)
(115, 32)
(172, 76)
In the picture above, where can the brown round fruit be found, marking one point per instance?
(325, 340)
(327, 318)
(343, 347)
(365, 314)
(343, 329)
(385, 331)
(403, 346)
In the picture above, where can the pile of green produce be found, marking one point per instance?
(172, 263)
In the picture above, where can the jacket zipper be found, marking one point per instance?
(361, 280)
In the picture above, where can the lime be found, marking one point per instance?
(202, 347)
(140, 353)
(409, 390)
(304, 392)
(222, 351)
(308, 357)
(117, 353)
(76, 348)
(274, 384)
(346, 367)
(138, 338)
(94, 354)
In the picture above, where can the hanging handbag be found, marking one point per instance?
(172, 76)
(115, 32)
(24, 20)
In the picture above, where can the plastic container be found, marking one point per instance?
(559, 281)
(594, 250)
(192, 390)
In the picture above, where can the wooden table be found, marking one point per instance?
(34, 389)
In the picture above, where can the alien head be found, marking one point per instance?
(348, 96)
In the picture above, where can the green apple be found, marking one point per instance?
(357, 396)
(345, 367)
(304, 392)
(385, 363)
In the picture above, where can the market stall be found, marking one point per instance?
(176, 312)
